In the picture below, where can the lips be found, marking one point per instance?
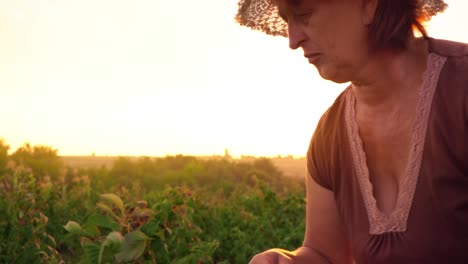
(312, 56)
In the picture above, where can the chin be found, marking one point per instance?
(332, 75)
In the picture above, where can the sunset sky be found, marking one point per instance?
(154, 77)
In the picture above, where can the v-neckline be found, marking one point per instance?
(396, 221)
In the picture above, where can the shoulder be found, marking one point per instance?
(448, 48)
(326, 137)
(451, 95)
(456, 54)
(453, 76)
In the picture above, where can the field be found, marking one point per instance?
(174, 209)
(289, 166)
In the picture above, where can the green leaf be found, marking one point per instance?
(73, 227)
(91, 251)
(107, 209)
(103, 221)
(152, 227)
(114, 241)
(91, 230)
(133, 247)
(114, 200)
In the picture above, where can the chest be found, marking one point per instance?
(386, 143)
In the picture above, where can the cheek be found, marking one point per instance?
(335, 42)
(348, 39)
(333, 33)
(324, 36)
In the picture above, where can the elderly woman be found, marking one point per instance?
(388, 162)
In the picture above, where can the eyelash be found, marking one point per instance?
(298, 17)
(303, 17)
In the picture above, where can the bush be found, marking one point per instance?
(177, 210)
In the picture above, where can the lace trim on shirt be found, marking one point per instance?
(379, 222)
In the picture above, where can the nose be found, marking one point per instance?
(296, 35)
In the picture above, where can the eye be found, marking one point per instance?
(303, 17)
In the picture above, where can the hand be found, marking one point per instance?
(272, 256)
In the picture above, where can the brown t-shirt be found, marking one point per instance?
(430, 220)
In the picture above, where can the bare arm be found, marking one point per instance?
(325, 240)
(324, 230)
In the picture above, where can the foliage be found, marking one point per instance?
(177, 209)
(3, 156)
(24, 220)
(42, 160)
(123, 242)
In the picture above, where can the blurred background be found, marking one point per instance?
(152, 77)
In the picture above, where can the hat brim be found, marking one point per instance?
(261, 15)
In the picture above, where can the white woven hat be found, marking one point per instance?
(263, 15)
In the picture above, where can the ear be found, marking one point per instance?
(368, 8)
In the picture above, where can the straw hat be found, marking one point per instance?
(263, 15)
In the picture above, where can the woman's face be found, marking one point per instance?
(332, 33)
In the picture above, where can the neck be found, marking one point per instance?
(390, 76)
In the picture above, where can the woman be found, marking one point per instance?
(388, 162)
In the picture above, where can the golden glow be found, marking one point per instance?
(118, 77)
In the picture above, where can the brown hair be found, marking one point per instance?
(394, 21)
